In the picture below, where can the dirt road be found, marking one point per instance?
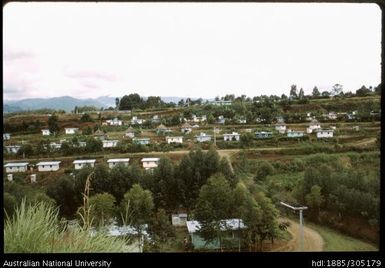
(312, 239)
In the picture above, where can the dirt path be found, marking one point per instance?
(364, 142)
(312, 239)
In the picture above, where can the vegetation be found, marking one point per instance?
(36, 229)
(337, 178)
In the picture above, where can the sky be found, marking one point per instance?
(87, 50)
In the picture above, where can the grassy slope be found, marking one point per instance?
(335, 241)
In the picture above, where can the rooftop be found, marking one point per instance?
(47, 163)
(118, 160)
(21, 164)
(150, 159)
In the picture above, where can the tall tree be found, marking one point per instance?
(117, 101)
(102, 208)
(213, 206)
(314, 200)
(293, 92)
(316, 92)
(53, 125)
(130, 102)
(301, 94)
(138, 203)
(165, 186)
(337, 90)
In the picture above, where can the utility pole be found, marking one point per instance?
(301, 209)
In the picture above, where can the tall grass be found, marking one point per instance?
(34, 228)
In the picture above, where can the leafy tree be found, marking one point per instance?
(363, 91)
(130, 102)
(246, 140)
(25, 150)
(225, 169)
(86, 118)
(316, 92)
(53, 125)
(264, 169)
(153, 102)
(193, 171)
(268, 227)
(121, 181)
(293, 92)
(102, 208)
(325, 94)
(101, 181)
(165, 186)
(213, 205)
(246, 208)
(160, 227)
(301, 94)
(138, 203)
(337, 90)
(314, 200)
(175, 120)
(64, 193)
(93, 145)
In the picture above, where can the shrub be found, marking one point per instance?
(35, 229)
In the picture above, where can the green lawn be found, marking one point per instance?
(335, 241)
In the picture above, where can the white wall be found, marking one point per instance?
(15, 169)
(48, 168)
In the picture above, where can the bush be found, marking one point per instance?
(35, 229)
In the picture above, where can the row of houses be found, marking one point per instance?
(314, 127)
(147, 163)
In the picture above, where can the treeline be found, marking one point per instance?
(135, 101)
(202, 183)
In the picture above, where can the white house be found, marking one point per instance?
(130, 133)
(203, 137)
(174, 139)
(186, 128)
(142, 141)
(114, 122)
(71, 130)
(231, 137)
(325, 133)
(155, 119)
(12, 149)
(48, 166)
(314, 125)
(197, 119)
(79, 164)
(136, 121)
(6, 136)
(221, 102)
(280, 127)
(16, 167)
(110, 143)
(55, 146)
(295, 134)
(332, 115)
(179, 219)
(113, 162)
(45, 132)
(221, 119)
(149, 163)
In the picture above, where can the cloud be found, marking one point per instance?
(17, 55)
(89, 74)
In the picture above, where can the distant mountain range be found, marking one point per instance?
(65, 103)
